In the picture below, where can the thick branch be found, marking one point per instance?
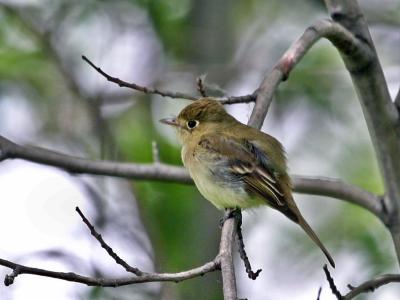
(335, 188)
(267, 88)
(380, 112)
(157, 171)
(164, 93)
(164, 172)
(114, 282)
(335, 33)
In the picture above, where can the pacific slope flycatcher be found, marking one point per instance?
(234, 165)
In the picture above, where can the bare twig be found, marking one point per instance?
(104, 245)
(319, 293)
(200, 86)
(242, 252)
(164, 93)
(367, 286)
(164, 172)
(114, 282)
(9, 279)
(332, 285)
(238, 99)
(137, 87)
(371, 285)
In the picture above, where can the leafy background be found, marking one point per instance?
(50, 97)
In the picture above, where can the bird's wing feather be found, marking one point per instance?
(252, 165)
(249, 164)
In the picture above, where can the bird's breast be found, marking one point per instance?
(216, 183)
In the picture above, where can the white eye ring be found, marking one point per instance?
(192, 124)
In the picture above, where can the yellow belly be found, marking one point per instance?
(222, 195)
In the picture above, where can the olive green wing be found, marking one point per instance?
(241, 160)
(244, 161)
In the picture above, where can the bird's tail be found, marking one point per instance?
(315, 238)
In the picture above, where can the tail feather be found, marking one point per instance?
(315, 239)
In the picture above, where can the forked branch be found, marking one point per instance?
(368, 286)
(140, 277)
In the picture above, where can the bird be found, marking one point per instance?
(234, 165)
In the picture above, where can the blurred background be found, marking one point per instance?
(49, 97)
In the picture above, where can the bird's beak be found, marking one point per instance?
(170, 121)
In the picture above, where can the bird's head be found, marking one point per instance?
(203, 115)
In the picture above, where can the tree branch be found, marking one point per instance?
(371, 285)
(164, 172)
(226, 259)
(380, 112)
(329, 187)
(105, 282)
(164, 93)
(72, 164)
(367, 286)
(19, 269)
(223, 261)
(338, 35)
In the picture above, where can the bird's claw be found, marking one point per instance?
(230, 213)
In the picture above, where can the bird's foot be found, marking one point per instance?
(230, 213)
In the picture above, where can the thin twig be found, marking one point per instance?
(164, 93)
(9, 279)
(332, 285)
(238, 99)
(200, 86)
(242, 252)
(319, 293)
(104, 245)
(137, 87)
(371, 285)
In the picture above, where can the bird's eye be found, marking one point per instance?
(192, 124)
